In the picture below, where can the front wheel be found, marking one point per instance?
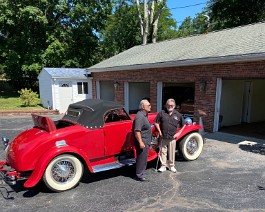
(191, 146)
(63, 172)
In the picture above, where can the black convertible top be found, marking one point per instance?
(90, 112)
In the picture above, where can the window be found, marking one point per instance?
(82, 87)
(65, 84)
(72, 113)
(116, 115)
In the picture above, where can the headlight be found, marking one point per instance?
(188, 121)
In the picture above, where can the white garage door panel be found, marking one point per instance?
(257, 101)
(65, 98)
(137, 91)
(107, 90)
(231, 102)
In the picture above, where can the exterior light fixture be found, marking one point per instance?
(116, 85)
(203, 85)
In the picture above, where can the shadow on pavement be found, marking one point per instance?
(245, 143)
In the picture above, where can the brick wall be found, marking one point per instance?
(203, 100)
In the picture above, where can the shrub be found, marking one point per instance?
(28, 97)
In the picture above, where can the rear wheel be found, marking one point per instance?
(63, 172)
(191, 146)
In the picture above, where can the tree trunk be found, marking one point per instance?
(155, 23)
(148, 21)
(140, 17)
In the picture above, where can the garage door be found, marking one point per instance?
(137, 91)
(107, 90)
(242, 101)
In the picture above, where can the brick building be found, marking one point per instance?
(221, 73)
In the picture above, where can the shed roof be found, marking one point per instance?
(66, 72)
(236, 44)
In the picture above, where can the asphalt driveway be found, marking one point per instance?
(228, 176)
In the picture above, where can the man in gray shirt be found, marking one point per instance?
(142, 138)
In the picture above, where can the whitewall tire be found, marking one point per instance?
(191, 146)
(63, 172)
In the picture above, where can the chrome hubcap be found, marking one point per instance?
(192, 146)
(63, 171)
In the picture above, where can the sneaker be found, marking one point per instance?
(173, 169)
(162, 169)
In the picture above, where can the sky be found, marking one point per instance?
(179, 14)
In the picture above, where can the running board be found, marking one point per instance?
(114, 165)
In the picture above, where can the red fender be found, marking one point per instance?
(186, 129)
(47, 157)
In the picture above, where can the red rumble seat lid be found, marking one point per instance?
(44, 123)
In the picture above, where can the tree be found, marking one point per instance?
(21, 38)
(167, 26)
(232, 13)
(197, 25)
(60, 33)
(201, 23)
(122, 29)
(149, 16)
(186, 28)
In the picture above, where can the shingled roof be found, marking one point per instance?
(236, 44)
(66, 72)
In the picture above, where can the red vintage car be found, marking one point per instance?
(93, 134)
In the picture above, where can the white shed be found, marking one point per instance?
(60, 87)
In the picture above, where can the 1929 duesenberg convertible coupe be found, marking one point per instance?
(93, 134)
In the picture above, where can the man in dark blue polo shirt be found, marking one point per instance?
(142, 138)
(167, 122)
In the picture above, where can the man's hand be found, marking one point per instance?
(179, 132)
(142, 145)
(159, 130)
(139, 139)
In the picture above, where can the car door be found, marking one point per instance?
(118, 134)
(93, 143)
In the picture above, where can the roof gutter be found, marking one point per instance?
(72, 78)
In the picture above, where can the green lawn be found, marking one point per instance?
(10, 101)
